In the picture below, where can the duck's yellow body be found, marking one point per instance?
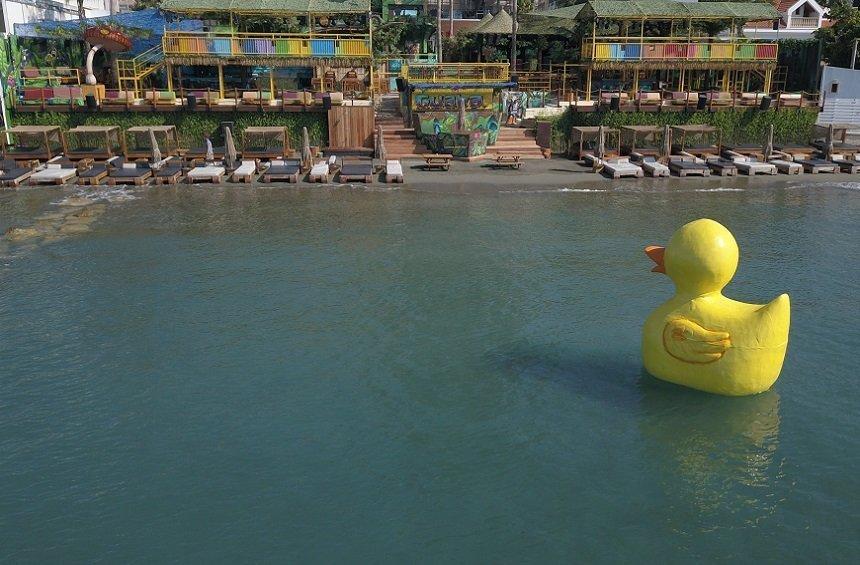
(700, 338)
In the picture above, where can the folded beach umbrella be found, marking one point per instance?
(307, 158)
(601, 148)
(667, 142)
(380, 145)
(156, 152)
(768, 148)
(230, 156)
(828, 143)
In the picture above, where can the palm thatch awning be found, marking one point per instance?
(529, 24)
(280, 7)
(663, 10)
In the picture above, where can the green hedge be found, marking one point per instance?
(737, 126)
(190, 125)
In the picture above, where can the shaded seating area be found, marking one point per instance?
(139, 141)
(585, 141)
(644, 140)
(93, 142)
(265, 143)
(698, 140)
(41, 143)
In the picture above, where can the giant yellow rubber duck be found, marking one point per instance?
(700, 338)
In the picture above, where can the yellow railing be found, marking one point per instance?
(50, 76)
(134, 68)
(457, 72)
(673, 48)
(265, 44)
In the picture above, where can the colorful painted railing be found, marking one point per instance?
(635, 50)
(456, 72)
(269, 44)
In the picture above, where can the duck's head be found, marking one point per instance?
(701, 257)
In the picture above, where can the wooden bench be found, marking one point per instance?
(511, 160)
(441, 161)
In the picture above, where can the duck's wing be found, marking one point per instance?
(687, 341)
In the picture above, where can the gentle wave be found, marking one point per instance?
(86, 196)
(719, 189)
(553, 190)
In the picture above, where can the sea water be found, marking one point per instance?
(336, 375)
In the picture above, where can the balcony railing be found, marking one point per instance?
(457, 72)
(696, 49)
(265, 44)
(802, 23)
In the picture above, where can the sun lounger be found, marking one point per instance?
(245, 172)
(95, 174)
(169, 173)
(751, 166)
(282, 170)
(621, 167)
(846, 165)
(53, 173)
(787, 167)
(722, 167)
(815, 166)
(356, 170)
(11, 174)
(211, 173)
(128, 173)
(393, 172)
(650, 165)
(683, 167)
(319, 172)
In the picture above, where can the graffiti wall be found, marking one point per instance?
(448, 99)
(435, 123)
(459, 145)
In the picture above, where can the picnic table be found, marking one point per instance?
(511, 160)
(441, 161)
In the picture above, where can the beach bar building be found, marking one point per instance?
(328, 44)
(681, 45)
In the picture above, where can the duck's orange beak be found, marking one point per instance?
(656, 253)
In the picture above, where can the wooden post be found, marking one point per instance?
(588, 84)
(271, 83)
(768, 78)
(220, 80)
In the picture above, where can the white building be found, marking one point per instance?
(28, 11)
(798, 20)
(840, 96)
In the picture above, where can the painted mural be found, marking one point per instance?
(459, 145)
(435, 123)
(448, 99)
(514, 103)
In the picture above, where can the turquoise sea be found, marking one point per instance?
(237, 375)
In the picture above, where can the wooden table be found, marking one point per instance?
(511, 160)
(441, 161)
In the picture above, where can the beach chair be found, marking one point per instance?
(393, 171)
(814, 166)
(129, 173)
(359, 170)
(621, 167)
(55, 172)
(846, 165)
(650, 165)
(12, 174)
(97, 172)
(319, 172)
(170, 172)
(683, 167)
(245, 172)
(722, 167)
(786, 166)
(751, 166)
(208, 173)
(282, 170)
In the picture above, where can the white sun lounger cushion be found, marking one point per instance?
(246, 168)
(393, 168)
(131, 166)
(319, 169)
(205, 172)
(52, 174)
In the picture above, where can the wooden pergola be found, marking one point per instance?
(96, 142)
(47, 142)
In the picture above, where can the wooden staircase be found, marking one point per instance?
(516, 140)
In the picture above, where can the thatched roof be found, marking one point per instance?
(664, 9)
(267, 6)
